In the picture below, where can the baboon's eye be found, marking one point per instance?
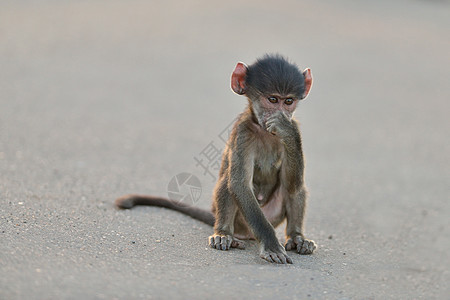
(273, 99)
(288, 101)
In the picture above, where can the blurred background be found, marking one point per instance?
(101, 98)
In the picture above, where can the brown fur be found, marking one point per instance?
(261, 177)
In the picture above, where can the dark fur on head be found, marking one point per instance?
(274, 73)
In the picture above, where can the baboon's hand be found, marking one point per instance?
(275, 254)
(301, 245)
(225, 242)
(280, 125)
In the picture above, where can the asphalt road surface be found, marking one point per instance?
(102, 98)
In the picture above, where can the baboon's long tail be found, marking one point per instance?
(129, 201)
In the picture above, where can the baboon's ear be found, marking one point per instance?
(308, 82)
(238, 79)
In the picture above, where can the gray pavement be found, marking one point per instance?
(102, 98)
